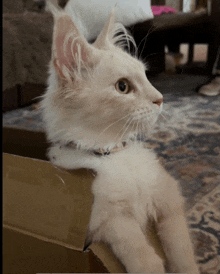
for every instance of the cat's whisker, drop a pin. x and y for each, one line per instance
(152, 54)
(163, 118)
(122, 37)
(129, 132)
(112, 125)
(136, 130)
(121, 138)
(145, 39)
(144, 127)
(124, 126)
(140, 131)
(147, 126)
(175, 130)
(132, 129)
(167, 120)
(165, 113)
(132, 125)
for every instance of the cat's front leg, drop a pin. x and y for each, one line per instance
(130, 245)
(62, 157)
(177, 245)
(175, 238)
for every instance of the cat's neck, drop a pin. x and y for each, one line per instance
(97, 152)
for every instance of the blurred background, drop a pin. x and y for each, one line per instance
(183, 37)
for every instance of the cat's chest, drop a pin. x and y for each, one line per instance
(133, 172)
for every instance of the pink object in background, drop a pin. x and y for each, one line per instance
(158, 10)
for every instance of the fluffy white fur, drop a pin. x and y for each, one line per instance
(83, 105)
(130, 189)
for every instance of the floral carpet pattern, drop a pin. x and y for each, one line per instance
(189, 148)
(187, 141)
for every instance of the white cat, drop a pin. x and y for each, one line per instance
(97, 102)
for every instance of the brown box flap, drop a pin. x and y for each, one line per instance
(50, 204)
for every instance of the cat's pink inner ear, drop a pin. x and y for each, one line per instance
(58, 68)
(80, 50)
(70, 47)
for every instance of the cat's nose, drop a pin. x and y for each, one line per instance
(158, 101)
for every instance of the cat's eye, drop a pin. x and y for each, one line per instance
(123, 86)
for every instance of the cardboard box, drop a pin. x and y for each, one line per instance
(46, 213)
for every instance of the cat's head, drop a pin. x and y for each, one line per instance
(98, 94)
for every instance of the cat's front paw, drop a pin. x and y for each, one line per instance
(63, 157)
(68, 158)
(55, 155)
(155, 265)
(150, 265)
(188, 270)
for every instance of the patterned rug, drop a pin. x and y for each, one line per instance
(187, 141)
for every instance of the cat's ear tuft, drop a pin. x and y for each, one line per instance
(105, 37)
(71, 52)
